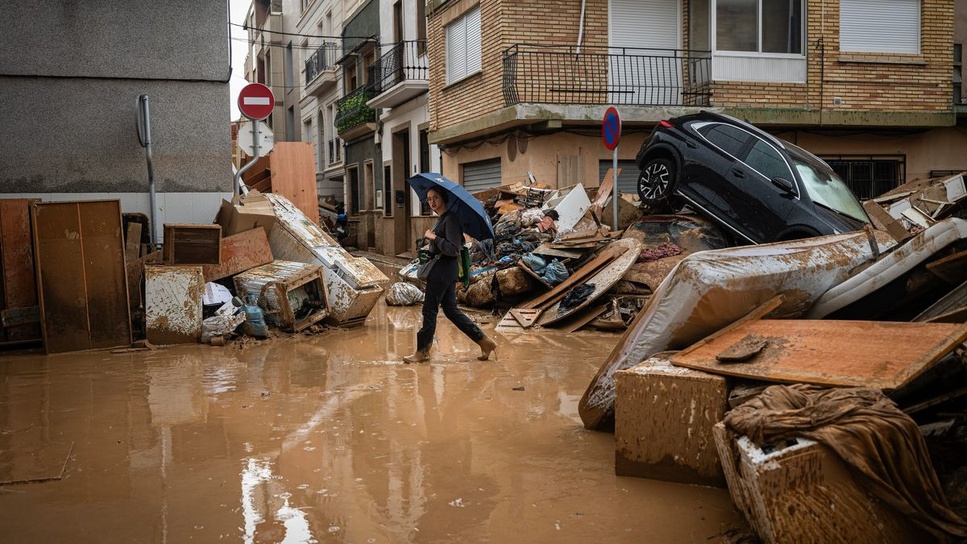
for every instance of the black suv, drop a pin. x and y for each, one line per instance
(757, 186)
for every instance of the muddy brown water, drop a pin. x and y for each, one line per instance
(328, 438)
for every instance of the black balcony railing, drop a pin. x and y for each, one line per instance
(620, 76)
(323, 59)
(405, 61)
(352, 111)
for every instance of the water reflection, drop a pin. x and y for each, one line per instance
(327, 438)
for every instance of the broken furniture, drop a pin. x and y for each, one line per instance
(799, 491)
(173, 306)
(81, 277)
(353, 284)
(239, 252)
(663, 422)
(292, 295)
(192, 244)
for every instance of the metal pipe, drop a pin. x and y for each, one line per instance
(144, 135)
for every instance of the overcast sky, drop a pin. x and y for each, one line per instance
(238, 8)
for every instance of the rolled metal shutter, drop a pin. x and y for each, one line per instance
(481, 175)
(627, 179)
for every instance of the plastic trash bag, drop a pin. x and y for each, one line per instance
(402, 293)
(555, 272)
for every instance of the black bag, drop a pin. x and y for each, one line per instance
(423, 272)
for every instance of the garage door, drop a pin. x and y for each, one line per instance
(627, 179)
(481, 175)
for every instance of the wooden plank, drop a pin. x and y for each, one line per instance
(240, 252)
(952, 268)
(107, 284)
(603, 279)
(883, 355)
(19, 277)
(583, 317)
(132, 242)
(882, 220)
(294, 176)
(62, 290)
(607, 255)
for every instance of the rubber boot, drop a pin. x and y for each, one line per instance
(421, 356)
(487, 345)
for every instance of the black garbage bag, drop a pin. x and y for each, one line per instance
(575, 297)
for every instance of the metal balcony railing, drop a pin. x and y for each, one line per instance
(619, 76)
(323, 59)
(352, 111)
(405, 61)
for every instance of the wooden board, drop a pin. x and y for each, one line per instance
(19, 277)
(291, 173)
(882, 355)
(603, 280)
(191, 244)
(81, 278)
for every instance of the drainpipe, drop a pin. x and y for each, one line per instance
(144, 136)
(581, 27)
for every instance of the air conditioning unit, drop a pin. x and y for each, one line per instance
(379, 199)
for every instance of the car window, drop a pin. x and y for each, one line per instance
(726, 137)
(826, 189)
(767, 161)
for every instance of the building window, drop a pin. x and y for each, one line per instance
(958, 78)
(869, 177)
(463, 46)
(757, 26)
(879, 26)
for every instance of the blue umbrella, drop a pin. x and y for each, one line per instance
(473, 217)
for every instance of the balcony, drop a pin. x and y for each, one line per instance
(321, 68)
(353, 117)
(400, 75)
(616, 76)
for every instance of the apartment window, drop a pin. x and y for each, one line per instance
(879, 26)
(958, 78)
(463, 46)
(758, 26)
(869, 177)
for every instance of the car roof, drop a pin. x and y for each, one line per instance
(706, 115)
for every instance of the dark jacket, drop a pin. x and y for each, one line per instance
(447, 245)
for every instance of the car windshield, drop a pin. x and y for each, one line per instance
(825, 188)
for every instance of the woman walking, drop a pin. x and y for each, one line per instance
(445, 239)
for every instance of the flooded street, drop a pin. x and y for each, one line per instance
(328, 438)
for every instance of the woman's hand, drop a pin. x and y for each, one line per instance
(430, 235)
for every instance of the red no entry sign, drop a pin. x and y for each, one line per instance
(611, 128)
(256, 101)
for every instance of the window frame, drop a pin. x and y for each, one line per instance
(758, 52)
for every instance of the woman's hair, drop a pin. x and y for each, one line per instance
(444, 196)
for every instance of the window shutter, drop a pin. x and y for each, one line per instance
(880, 26)
(456, 51)
(473, 41)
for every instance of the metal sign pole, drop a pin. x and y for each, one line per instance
(614, 190)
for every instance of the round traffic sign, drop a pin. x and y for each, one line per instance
(256, 101)
(611, 128)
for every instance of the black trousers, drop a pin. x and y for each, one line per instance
(443, 294)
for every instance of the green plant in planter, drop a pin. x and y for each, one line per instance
(354, 112)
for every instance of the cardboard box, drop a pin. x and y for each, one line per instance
(246, 212)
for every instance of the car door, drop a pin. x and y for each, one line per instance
(764, 205)
(715, 175)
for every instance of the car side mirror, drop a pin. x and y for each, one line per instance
(784, 184)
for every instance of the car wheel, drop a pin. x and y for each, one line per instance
(656, 182)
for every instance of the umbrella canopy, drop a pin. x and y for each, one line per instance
(473, 217)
